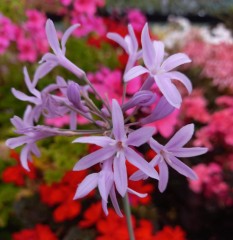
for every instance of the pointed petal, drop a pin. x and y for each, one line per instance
(115, 202)
(181, 168)
(147, 48)
(29, 83)
(140, 136)
(133, 38)
(174, 61)
(105, 183)
(156, 146)
(134, 72)
(182, 78)
(94, 158)
(162, 110)
(169, 90)
(163, 176)
(118, 39)
(105, 207)
(23, 97)
(189, 152)
(52, 36)
(181, 137)
(118, 121)
(120, 174)
(43, 70)
(141, 195)
(87, 185)
(135, 159)
(141, 175)
(24, 155)
(66, 35)
(16, 141)
(97, 140)
(159, 53)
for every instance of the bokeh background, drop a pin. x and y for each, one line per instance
(38, 205)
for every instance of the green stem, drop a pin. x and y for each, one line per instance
(128, 217)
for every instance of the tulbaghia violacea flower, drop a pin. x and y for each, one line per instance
(30, 136)
(49, 60)
(167, 156)
(160, 69)
(130, 44)
(118, 148)
(104, 180)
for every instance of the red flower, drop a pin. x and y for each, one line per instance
(171, 233)
(17, 174)
(40, 232)
(67, 211)
(91, 215)
(61, 195)
(144, 231)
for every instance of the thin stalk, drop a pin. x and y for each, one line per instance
(96, 93)
(128, 217)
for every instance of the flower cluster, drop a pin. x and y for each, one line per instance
(115, 126)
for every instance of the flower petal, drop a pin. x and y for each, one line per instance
(147, 48)
(135, 159)
(94, 158)
(120, 174)
(189, 152)
(156, 146)
(16, 141)
(115, 202)
(141, 195)
(169, 90)
(118, 127)
(162, 110)
(180, 167)
(66, 35)
(133, 38)
(24, 155)
(182, 78)
(105, 183)
(140, 136)
(118, 39)
(52, 36)
(163, 176)
(97, 140)
(159, 53)
(23, 97)
(134, 72)
(181, 137)
(174, 61)
(87, 185)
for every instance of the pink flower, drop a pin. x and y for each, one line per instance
(36, 20)
(27, 51)
(136, 19)
(89, 23)
(66, 2)
(87, 6)
(195, 107)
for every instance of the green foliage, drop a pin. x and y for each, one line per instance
(60, 155)
(8, 194)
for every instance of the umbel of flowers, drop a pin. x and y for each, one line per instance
(115, 127)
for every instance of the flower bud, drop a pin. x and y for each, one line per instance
(142, 99)
(73, 94)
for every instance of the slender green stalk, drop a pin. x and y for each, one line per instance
(128, 217)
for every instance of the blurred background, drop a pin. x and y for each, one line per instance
(38, 205)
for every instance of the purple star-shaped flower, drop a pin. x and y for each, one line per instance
(118, 148)
(167, 156)
(49, 60)
(153, 56)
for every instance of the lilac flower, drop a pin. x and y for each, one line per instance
(30, 136)
(153, 55)
(167, 155)
(130, 44)
(104, 180)
(118, 148)
(49, 60)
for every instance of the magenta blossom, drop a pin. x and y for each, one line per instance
(159, 70)
(167, 155)
(118, 148)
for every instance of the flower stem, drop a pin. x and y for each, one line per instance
(128, 217)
